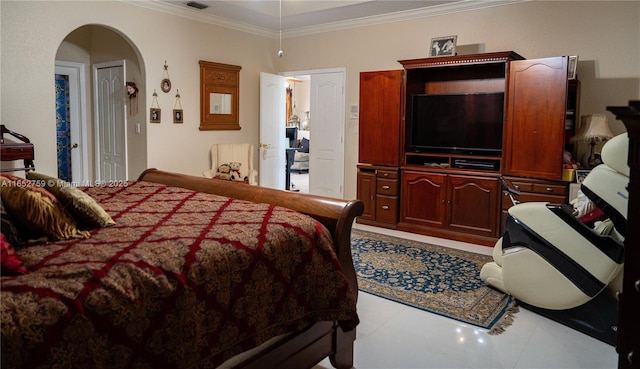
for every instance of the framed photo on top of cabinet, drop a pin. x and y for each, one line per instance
(573, 66)
(443, 46)
(581, 174)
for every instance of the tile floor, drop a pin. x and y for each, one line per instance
(394, 336)
(300, 181)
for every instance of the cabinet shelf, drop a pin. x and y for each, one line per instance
(453, 161)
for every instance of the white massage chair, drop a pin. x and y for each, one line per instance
(552, 262)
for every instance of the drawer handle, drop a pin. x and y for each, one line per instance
(385, 207)
(385, 174)
(385, 187)
(517, 187)
(549, 189)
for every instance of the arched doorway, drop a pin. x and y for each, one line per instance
(78, 114)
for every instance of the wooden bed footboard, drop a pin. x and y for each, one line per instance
(302, 349)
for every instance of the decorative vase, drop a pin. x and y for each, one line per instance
(304, 125)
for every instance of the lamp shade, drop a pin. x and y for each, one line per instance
(593, 128)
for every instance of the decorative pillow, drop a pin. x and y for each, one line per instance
(10, 261)
(12, 232)
(36, 211)
(304, 145)
(82, 207)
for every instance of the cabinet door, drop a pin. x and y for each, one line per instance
(474, 205)
(367, 193)
(379, 141)
(423, 197)
(535, 109)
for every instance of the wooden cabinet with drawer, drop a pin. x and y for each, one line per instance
(534, 190)
(378, 189)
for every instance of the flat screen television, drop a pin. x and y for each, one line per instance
(457, 123)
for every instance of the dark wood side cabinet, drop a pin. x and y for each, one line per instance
(628, 340)
(12, 151)
(453, 193)
(380, 146)
(378, 189)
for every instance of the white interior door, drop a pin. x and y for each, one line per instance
(272, 131)
(326, 151)
(77, 107)
(111, 148)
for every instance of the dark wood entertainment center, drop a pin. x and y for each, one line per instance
(456, 194)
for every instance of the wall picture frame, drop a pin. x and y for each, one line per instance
(154, 115)
(165, 85)
(443, 46)
(581, 174)
(178, 116)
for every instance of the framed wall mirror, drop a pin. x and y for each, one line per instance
(219, 96)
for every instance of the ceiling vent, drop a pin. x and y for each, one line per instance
(197, 5)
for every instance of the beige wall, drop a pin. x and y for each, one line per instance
(606, 36)
(32, 34)
(97, 44)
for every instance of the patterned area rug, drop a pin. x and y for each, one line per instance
(437, 279)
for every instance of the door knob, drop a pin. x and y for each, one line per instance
(74, 146)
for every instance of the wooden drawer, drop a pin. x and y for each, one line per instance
(550, 189)
(522, 186)
(17, 151)
(386, 209)
(387, 187)
(532, 197)
(387, 174)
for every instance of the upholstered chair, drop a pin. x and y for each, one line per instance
(224, 153)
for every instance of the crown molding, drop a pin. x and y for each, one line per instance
(181, 11)
(432, 11)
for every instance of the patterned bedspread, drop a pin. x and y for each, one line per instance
(183, 280)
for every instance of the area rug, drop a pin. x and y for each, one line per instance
(433, 278)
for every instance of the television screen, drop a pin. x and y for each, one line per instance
(464, 123)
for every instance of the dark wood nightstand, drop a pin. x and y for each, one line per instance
(10, 151)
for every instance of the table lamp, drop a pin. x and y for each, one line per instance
(593, 128)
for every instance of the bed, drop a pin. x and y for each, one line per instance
(195, 273)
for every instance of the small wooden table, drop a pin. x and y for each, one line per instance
(10, 151)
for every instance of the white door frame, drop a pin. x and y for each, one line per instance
(78, 118)
(342, 123)
(96, 137)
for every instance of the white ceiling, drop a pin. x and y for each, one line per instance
(311, 16)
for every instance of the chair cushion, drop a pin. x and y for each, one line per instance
(615, 154)
(227, 153)
(304, 145)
